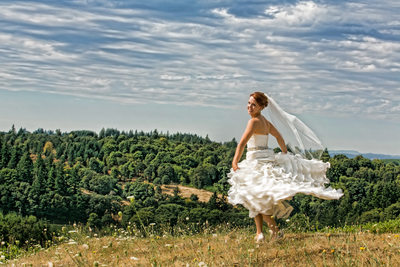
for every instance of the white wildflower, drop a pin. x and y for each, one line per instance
(134, 258)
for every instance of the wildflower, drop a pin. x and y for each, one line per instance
(152, 224)
(131, 199)
(187, 218)
(3, 243)
(168, 245)
(202, 264)
(120, 213)
(324, 251)
(287, 220)
(72, 243)
(328, 234)
(332, 250)
(72, 231)
(134, 258)
(396, 236)
(362, 248)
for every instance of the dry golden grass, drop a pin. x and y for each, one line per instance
(236, 248)
(186, 192)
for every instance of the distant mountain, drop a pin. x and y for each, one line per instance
(353, 153)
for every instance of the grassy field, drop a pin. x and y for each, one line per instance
(229, 248)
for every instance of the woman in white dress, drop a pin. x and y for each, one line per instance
(264, 180)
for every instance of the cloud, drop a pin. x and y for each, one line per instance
(333, 56)
(303, 13)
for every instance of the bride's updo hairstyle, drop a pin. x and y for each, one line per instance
(260, 98)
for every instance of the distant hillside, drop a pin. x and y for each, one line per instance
(353, 153)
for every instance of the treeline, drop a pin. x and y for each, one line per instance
(371, 194)
(82, 176)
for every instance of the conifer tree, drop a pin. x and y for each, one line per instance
(39, 176)
(5, 154)
(12, 164)
(60, 183)
(325, 155)
(25, 168)
(51, 178)
(1, 146)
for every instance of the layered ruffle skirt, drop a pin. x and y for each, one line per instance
(265, 181)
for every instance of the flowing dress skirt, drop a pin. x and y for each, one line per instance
(265, 181)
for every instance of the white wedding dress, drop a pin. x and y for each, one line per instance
(265, 180)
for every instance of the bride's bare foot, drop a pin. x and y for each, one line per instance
(259, 238)
(278, 235)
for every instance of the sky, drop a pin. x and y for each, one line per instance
(189, 66)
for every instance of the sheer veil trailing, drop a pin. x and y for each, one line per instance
(299, 138)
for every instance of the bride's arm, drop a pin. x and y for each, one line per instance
(243, 141)
(274, 132)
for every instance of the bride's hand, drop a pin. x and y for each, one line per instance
(235, 166)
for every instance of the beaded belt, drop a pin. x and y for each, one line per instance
(257, 148)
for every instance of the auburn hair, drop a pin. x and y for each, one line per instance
(260, 98)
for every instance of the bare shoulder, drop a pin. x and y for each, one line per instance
(254, 121)
(266, 123)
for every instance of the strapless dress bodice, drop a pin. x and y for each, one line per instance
(257, 142)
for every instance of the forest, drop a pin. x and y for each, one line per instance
(113, 178)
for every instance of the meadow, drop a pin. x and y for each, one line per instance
(367, 245)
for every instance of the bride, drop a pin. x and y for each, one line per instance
(264, 181)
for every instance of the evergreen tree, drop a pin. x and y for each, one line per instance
(60, 183)
(51, 178)
(5, 154)
(12, 164)
(25, 168)
(39, 177)
(325, 157)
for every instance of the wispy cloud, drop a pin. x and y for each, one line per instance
(314, 56)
